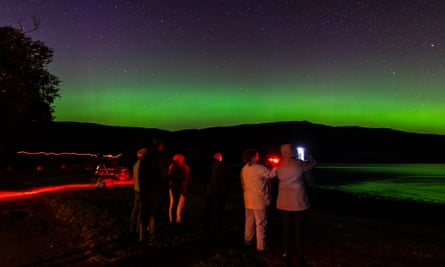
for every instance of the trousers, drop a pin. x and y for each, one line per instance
(255, 226)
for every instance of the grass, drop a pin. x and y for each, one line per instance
(343, 230)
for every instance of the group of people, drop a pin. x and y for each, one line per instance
(292, 200)
(156, 176)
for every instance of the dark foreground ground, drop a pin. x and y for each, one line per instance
(89, 227)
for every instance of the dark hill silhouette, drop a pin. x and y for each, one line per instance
(328, 144)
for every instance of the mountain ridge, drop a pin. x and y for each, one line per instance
(326, 143)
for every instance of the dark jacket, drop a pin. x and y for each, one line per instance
(153, 180)
(217, 183)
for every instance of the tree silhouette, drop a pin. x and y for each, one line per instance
(27, 89)
(22, 31)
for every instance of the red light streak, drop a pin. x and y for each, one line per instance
(110, 156)
(52, 188)
(34, 191)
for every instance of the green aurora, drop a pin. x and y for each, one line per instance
(191, 102)
(189, 65)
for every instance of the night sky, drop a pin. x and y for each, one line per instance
(196, 64)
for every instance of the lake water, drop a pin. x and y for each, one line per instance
(418, 182)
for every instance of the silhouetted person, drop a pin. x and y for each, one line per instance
(136, 224)
(153, 184)
(216, 191)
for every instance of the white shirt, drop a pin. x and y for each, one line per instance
(255, 184)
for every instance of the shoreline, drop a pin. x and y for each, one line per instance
(400, 210)
(345, 230)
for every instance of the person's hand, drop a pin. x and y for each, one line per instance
(274, 171)
(310, 162)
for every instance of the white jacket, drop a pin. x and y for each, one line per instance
(256, 186)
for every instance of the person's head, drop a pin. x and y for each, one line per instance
(178, 158)
(141, 153)
(157, 144)
(251, 156)
(218, 156)
(287, 151)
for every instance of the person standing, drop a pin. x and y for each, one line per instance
(292, 201)
(256, 191)
(216, 191)
(178, 176)
(153, 185)
(136, 225)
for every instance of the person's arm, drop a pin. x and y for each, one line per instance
(187, 173)
(268, 173)
(243, 185)
(310, 163)
(164, 165)
(170, 167)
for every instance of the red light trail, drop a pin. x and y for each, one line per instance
(52, 188)
(34, 191)
(109, 156)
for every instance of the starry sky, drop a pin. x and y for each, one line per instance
(175, 64)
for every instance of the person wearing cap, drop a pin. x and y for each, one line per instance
(292, 200)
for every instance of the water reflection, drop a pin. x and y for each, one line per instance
(419, 182)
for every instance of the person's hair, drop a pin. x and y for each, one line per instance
(248, 154)
(178, 158)
(218, 156)
(141, 153)
(156, 143)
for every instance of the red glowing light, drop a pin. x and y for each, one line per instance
(33, 191)
(274, 160)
